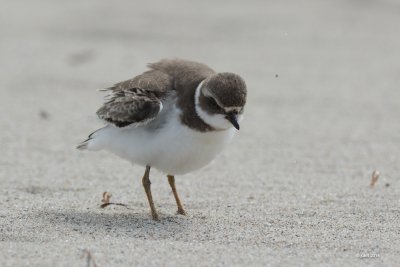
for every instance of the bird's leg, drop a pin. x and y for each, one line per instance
(146, 184)
(171, 181)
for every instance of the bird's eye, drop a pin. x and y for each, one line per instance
(213, 103)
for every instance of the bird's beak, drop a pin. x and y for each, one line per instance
(232, 118)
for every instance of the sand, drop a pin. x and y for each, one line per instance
(292, 188)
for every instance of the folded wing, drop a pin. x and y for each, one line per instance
(137, 101)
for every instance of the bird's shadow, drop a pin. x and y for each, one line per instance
(111, 222)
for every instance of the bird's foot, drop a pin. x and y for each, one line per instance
(154, 215)
(181, 211)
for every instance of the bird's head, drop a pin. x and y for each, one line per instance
(220, 100)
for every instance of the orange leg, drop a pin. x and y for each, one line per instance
(147, 188)
(171, 180)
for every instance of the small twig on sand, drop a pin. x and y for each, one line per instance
(89, 258)
(106, 201)
(106, 197)
(374, 178)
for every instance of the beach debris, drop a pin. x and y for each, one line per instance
(106, 197)
(106, 201)
(374, 178)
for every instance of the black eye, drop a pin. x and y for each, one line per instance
(212, 103)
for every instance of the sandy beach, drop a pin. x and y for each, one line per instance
(292, 189)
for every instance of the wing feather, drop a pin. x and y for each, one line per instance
(136, 101)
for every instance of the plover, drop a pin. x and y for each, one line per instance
(175, 117)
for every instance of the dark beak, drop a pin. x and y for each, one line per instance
(232, 117)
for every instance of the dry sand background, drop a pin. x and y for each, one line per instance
(292, 189)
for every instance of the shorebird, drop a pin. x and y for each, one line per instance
(175, 117)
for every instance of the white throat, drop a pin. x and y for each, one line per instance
(217, 121)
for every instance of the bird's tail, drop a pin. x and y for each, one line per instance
(88, 144)
(83, 145)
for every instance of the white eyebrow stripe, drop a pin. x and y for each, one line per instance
(205, 90)
(229, 109)
(207, 93)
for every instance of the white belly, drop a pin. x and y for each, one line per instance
(174, 149)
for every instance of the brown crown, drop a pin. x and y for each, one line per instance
(228, 88)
